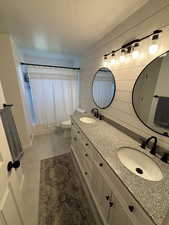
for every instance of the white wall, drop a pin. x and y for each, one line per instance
(150, 17)
(10, 79)
(38, 57)
(18, 59)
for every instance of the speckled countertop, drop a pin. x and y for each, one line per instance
(153, 196)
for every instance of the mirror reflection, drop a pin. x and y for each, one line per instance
(103, 88)
(151, 95)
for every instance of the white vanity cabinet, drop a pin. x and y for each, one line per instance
(114, 203)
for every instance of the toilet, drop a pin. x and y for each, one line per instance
(66, 125)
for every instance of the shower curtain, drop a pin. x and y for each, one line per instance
(54, 94)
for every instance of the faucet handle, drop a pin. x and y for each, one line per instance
(100, 116)
(143, 144)
(153, 150)
(165, 157)
(92, 110)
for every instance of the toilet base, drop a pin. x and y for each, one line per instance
(66, 133)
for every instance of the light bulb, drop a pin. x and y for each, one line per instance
(122, 58)
(113, 61)
(135, 54)
(105, 63)
(153, 49)
(154, 45)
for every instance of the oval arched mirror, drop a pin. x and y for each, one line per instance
(103, 88)
(151, 95)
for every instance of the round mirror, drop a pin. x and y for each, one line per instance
(151, 95)
(103, 88)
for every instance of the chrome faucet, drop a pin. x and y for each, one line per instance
(154, 146)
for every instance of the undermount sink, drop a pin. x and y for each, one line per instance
(139, 164)
(87, 120)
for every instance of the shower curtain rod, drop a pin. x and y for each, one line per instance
(61, 67)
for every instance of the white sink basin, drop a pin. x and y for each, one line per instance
(87, 120)
(139, 164)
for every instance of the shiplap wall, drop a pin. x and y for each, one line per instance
(153, 15)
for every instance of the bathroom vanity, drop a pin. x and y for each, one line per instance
(117, 196)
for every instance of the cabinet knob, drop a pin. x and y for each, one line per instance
(87, 144)
(78, 132)
(100, 164)
(75, 139)
(85, 173)
(107, 197)
(131, 208)
(72, 123)
(111, 204)
(86, 154)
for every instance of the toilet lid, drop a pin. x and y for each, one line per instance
(67, 122)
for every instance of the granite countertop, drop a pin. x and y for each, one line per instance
(153, 196)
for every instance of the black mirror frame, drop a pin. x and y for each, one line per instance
(114, 88)
(163, 134)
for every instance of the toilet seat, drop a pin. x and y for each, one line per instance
(66, 124)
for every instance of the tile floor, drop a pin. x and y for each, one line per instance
(44, 146)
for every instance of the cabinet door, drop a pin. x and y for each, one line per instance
(105, 199)
(88, 167)
(96, 184)
(117, 216)
(102, 192)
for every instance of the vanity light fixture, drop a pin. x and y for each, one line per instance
(131, 47)
(113, 60)
(135, 54)
(105, 62)
(105, 57)
(154, 46)
(122, 57)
